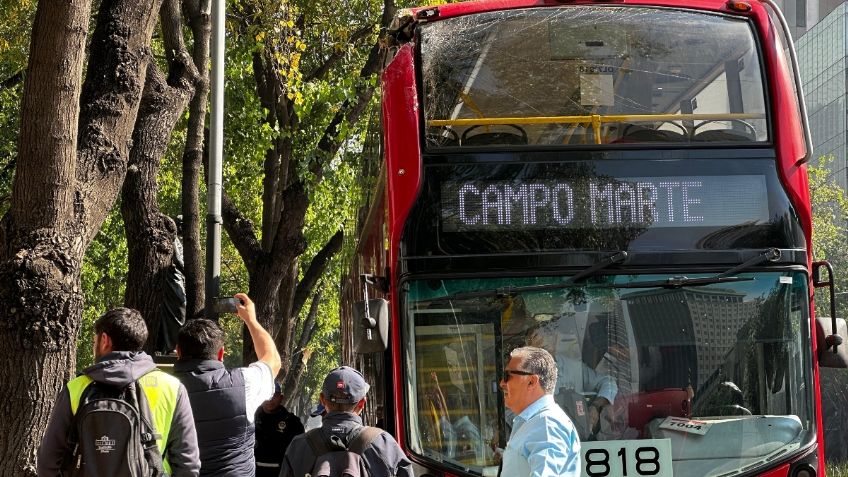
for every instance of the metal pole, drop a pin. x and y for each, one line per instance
(216, 153)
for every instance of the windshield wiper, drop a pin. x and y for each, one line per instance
(768, 255)
(674, 282)
(613, 259)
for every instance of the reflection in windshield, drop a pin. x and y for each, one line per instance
(717, 373)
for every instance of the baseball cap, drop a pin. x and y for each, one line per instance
(319, 409)
(344, 385)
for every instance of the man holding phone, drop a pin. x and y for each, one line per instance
(224, 401)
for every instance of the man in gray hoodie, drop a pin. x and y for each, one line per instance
(119, 336)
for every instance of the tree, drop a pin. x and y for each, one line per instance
(830, 231)
(72, 157)
(315, 81)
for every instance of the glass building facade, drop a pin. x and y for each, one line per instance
(823, 64)
(823, 60)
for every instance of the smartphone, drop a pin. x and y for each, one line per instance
(227, 304)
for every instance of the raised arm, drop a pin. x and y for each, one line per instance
(263, 343)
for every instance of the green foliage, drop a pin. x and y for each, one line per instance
(10, 102)
(104, 273)
(14, 48)
(14, 35)
(830, 232)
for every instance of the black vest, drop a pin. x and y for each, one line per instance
(224, 435)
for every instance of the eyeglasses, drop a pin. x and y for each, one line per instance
(510, 372)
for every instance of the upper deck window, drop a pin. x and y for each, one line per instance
(591, 75)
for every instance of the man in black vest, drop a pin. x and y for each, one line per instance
(275, 429)
(224, 401)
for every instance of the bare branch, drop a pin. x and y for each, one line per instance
(11, 81)
(241, 231)
(309, 327)
(315, 271)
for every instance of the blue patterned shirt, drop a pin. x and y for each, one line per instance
(543, 443)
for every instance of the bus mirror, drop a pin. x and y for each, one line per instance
(833, 347)
(370, 326)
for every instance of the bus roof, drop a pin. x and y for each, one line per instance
(465, 8)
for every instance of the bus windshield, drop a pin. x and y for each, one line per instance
(590, 75)
(692, 378)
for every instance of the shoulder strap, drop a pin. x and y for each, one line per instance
(363, 438)
(148, 430)
(316, 442)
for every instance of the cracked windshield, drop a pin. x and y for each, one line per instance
(591, 75)
(660, 375)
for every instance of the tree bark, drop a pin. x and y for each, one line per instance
(150, 234)
(72, 158)
(198, 12)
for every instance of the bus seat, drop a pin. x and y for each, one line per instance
(494, 138)
(645, 406)
(722, 135)
(641, 134)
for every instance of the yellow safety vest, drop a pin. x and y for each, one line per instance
(162, 391)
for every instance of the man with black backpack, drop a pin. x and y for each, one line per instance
(342, 446)
(122, 416)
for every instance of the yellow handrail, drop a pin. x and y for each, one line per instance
(595, 119)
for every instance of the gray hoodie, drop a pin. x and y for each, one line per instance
(119, 369)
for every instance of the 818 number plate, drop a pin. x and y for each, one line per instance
(648, 457)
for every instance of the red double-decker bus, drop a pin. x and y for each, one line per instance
(621, 183)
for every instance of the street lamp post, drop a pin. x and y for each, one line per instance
(215, 168)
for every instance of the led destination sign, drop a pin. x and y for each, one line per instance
(603, 202)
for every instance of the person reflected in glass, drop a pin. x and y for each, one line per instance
(543, 441)
(583, 392)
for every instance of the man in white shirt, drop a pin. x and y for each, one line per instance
(224, 401)
(582, 391)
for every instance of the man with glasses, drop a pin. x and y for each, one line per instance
(543, 442)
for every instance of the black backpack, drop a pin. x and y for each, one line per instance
(112, 434)
(338, 459)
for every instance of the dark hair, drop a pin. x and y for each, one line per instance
(339, 406)
(125, 327)
(200, 339)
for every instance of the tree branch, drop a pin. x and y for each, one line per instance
(323, 68)
(182, 72)
(315, 271)
(241, 231)
(306, 334)
(109, 104)
(11, 81)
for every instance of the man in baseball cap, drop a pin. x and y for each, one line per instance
(343, 394)
(344, 385)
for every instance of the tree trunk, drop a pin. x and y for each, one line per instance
(72, 157)
(201, 28)
(150, 235)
